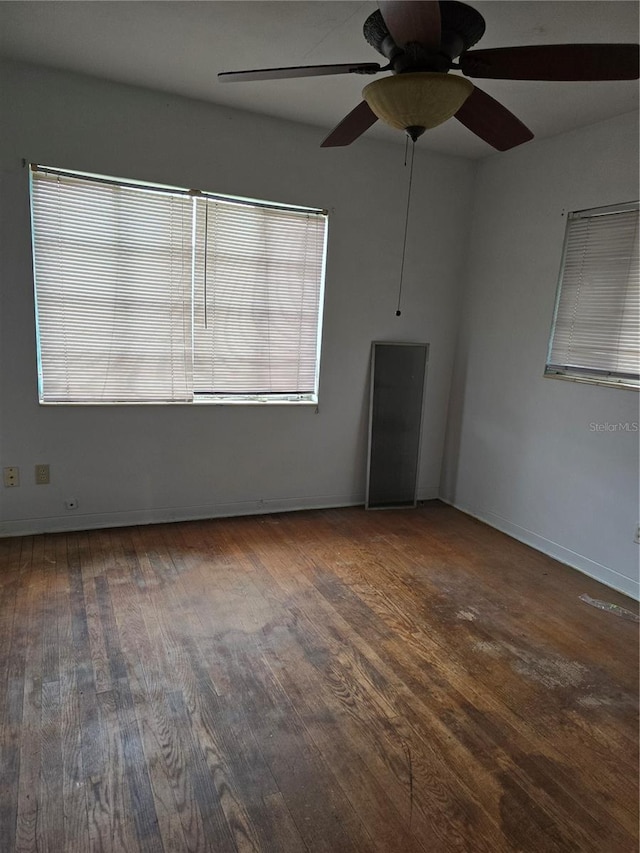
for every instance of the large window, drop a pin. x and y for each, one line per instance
(596, 327)
(149, 294)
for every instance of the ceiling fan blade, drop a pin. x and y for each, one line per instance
(299, 71)
(412, 21)
(489, 120)
(554, 62)
(351, 127)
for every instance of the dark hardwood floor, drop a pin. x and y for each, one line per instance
(321, 681)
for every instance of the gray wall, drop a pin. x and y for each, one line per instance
(522, 453)
(127, 464)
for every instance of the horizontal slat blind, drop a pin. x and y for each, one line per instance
(258, 293)
(597, 319)
(113, 274)
(127, 312)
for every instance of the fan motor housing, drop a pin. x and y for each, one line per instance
(461, 25)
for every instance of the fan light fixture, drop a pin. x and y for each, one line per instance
(417, 101)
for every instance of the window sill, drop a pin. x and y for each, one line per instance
(594, 380)
(252, 400)
(201, 400)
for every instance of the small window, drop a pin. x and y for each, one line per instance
(154, 294)
(596, 327)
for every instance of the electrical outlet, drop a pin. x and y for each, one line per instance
(42, 475)
(11, 476)
(71, 503)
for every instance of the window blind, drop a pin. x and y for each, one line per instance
(149, 294)
(112, 267)
(597, 318)
(258, 279)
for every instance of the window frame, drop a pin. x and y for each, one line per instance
(574, 373)
(298, 398)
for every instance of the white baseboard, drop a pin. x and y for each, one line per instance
(583, 564)
(161, 515)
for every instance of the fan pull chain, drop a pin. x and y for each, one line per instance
(406, 221)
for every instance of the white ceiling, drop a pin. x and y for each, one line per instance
(180, 47)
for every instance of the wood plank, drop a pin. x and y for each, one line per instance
(51, 820)
(172, 798)
(12, 654)
(70, 628)
(111, 824)
(95, 566)
(139, 800)
(30, 753)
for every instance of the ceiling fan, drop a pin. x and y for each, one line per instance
(422, 39)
